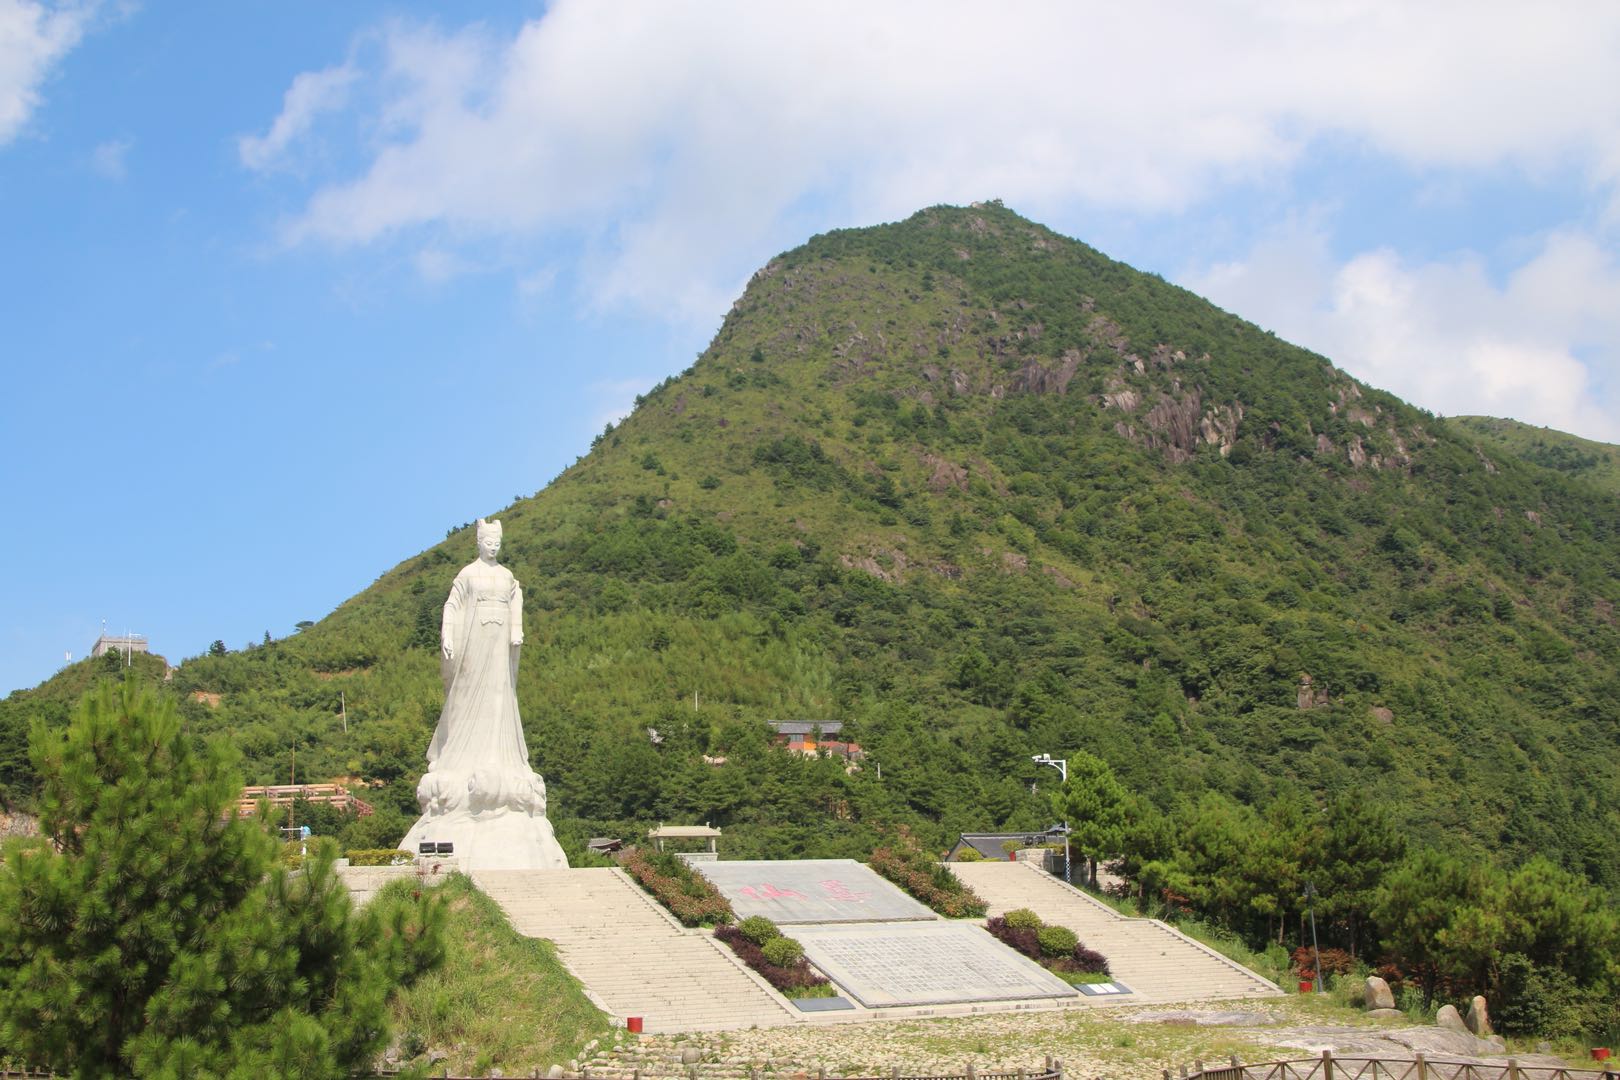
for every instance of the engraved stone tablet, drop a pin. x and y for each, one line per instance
(810, 891)
(884, 965)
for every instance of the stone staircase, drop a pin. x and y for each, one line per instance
(1157, 963)
(633, 958)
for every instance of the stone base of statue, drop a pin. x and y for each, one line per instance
(496, 821)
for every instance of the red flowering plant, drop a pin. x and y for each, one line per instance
(904, 862)
(687, 895)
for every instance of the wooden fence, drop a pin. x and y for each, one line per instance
(1052, 1071)
(1417, 1067)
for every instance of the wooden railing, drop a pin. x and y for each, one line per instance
(1417, 1067)
(285, 794)
(1052, 1071)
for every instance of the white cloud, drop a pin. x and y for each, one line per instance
(436, 266)
(702, 132)
(674, 147)
(33, 39)
(1543, 346)
(311, 94)
(537, 282)
(108, 159)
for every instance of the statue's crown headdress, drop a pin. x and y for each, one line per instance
(488, 528)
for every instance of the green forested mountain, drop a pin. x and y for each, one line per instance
(979, 492)
(1595, 462)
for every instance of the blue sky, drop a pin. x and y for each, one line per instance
(288, 290)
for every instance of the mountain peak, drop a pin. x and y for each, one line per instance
(977, 491)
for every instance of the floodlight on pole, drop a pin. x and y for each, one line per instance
(1062, 766)
(1310, 900)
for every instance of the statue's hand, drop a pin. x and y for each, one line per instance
(517, 639)
(449, 653)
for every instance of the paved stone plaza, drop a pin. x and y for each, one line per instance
(885, 965)
(635, 959)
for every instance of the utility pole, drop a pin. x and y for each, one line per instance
(1062, 766)
(1310, 901)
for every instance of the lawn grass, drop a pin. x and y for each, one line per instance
(500, 1000)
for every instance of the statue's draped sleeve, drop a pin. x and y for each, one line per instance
(515, 610)
(453, 628)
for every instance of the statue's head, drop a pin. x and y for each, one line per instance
(489, 538)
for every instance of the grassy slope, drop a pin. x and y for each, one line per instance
(1594, 462)
(500, 1000)
(946, 480)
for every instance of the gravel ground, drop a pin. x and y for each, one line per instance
(1117, 1044)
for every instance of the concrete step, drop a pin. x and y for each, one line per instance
(1156, 961)
(632, 956)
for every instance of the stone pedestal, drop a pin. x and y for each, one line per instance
(496, 840)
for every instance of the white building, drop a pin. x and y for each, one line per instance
(123, 644)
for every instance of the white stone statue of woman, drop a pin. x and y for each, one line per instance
(479, 793)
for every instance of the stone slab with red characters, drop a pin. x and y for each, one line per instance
(811, 891)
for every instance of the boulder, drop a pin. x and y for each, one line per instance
(1478, 1019)
(1449, 1018)
(1377, 994)
(1386, 1014)
(691, 1055)
(555, 1073)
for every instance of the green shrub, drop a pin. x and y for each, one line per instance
(759, 929)
(1057, 940)
(1537, 1001)
(906, 865)
(687, 895)
(1023, 919)
(379, 857)
(968, 854)
(782, 951)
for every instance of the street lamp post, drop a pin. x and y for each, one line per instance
(1310, 900)
(1062, 766)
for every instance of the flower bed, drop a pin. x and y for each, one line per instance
(687, 895)
(905, 864)
(778, 958)
(1055, 948)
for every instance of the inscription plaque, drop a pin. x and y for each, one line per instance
(918, 963)
(810, 891)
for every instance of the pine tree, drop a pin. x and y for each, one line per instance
(1092, 801)
(152, 932)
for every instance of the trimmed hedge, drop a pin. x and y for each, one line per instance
(794, 979)
(1022, 919)
(759, 929)
(687, 895)
(782, 951)
(1056, 941)
(905, 864)
(1029, 941)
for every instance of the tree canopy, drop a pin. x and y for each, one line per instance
(151, 933)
